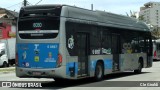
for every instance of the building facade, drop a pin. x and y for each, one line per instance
(8, 21)
(150, 13)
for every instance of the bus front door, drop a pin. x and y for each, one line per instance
(83, 46)
(116, 51)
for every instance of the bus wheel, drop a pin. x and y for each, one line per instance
(99, 71)
(5, 64)
(139, 70)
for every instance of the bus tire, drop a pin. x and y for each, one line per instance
(140, 65)
(99, 71)
(5, 64)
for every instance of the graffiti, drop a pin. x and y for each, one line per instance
(101, 51)
(106, 51)
(127, 48)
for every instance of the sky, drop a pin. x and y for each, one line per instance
(114, 6)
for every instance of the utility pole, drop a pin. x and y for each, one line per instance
(25, 2)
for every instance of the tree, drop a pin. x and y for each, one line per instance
(132, 14)
(154, 29)
(141, 18)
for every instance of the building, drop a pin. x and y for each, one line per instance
(8, 21)
(150, 13)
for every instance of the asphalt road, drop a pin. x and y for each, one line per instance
(148, 80)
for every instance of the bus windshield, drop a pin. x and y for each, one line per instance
(39, 23)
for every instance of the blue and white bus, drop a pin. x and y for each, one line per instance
(68, 42)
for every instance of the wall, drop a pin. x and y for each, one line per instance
(4, 30)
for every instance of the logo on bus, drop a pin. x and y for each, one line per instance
(37, 25)
(71, 42)
(24, 55)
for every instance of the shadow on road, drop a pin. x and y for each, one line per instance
(156, 60)
(88, 82)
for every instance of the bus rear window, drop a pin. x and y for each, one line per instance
(38, 28)
(39, 23)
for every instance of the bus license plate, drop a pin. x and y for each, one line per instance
(37, 73)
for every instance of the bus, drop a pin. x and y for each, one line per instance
(156, 49)
(68, 42)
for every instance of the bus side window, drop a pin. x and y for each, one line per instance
(95, 42)
(147, 45)
(141, 44)
(128, 43)
(106, 43)
(135, 45)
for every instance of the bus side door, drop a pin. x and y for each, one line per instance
(83, 51)
(116, 51)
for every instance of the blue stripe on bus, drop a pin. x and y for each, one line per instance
(107, 64)
(93, 65)
(71, 65)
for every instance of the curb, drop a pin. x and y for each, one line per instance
(7, 70)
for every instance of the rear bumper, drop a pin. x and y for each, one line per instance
(44, 73)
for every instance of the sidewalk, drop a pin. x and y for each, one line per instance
(7, 70)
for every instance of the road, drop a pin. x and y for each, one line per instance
(120, 81)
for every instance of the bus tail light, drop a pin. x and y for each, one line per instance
(59, 62)
(16, 60)
(155, 53)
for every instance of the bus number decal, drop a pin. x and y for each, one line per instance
(96, 51)
(52, 46)
(37, 25)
